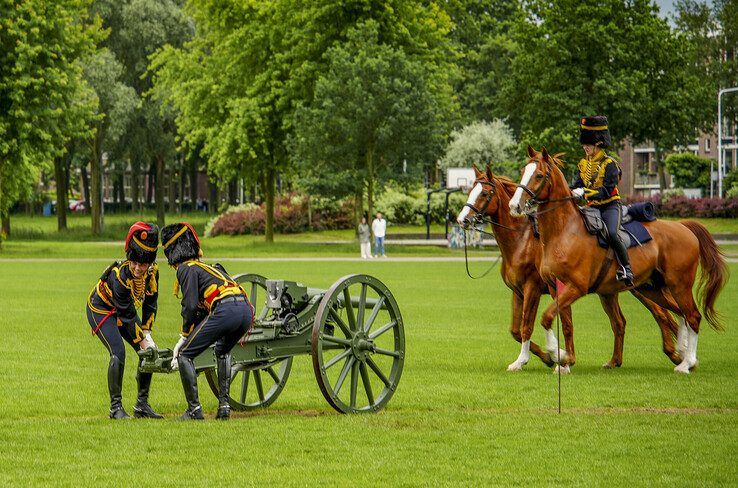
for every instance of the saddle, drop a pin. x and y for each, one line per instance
(631, 232)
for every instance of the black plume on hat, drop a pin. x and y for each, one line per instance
(180, 243)
(142, 242)
(594, 130)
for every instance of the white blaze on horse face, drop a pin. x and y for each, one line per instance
(514, 204)
(473, 195)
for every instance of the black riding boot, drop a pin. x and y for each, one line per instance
(224, 384)
(189, 383)
(115, 387)
(624, 273)
(143, 410)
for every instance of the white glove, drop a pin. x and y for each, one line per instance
(578, 192)
(147, 340)
(175, 353)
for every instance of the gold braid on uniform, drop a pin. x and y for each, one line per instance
(588, 174)
(138, 289)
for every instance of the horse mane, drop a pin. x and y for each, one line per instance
(552, 158)
(508, 185)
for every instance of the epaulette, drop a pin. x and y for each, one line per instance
(108, 270)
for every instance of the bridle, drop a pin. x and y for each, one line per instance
(534, 201)
(479, 213)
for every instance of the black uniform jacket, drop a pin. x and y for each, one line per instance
(118, 290)
(202, 286)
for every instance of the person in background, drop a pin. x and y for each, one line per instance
(379, 228)
(365, 236)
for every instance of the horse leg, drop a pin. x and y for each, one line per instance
(566, 296)
(523, 310)
(617, 322)
(567, 327)
(667, 325)
(684, 299)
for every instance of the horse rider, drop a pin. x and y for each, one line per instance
(111, 311)
(214, 310)
(597, 183)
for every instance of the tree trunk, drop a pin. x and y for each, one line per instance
(660, 168)
(152, 183)
(233, 192)
(122, 191)
(61, 193)
(269, 187)
(96, 199)
(213, 190)
(193, 184)
(370, 181)
(159, 190)
(3, 234)
(172, 190)
(5, 224)
(182, 185)
(135, 185)
(85, 186)
(359, 208)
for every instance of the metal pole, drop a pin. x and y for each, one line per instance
(720, 138)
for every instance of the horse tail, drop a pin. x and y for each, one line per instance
(714, 273)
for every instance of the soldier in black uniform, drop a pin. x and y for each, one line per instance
(597, 182)
(111, 312)
(215, 310)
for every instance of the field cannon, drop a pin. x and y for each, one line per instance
(353, 331)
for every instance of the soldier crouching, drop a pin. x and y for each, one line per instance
(111, 312)
(215, 310)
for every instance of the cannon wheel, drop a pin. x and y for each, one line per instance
(256, 385)
(363, 343)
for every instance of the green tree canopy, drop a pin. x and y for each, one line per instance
(43, 100)
(689, 170)
(378, 114)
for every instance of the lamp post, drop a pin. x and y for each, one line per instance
(720, 138)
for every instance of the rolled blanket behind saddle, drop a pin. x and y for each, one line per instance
(642, 211)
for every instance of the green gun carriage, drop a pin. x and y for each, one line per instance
(353, 331)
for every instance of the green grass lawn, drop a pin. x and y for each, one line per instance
(458, 417)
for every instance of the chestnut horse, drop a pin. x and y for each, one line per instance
(665, 268)
(521, 252)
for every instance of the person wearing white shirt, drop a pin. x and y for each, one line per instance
(379, 228)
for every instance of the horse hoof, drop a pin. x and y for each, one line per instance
(563, 369)
(694, 366)
(682, 368)
(608, 365)
(515, 367)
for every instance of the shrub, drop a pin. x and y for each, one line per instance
(682, 207)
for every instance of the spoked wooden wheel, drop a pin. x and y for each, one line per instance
(358, 339)
(255, 287)
(254, 386)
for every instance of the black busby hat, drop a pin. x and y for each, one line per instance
(594, 130)
(180, 243)
(142, 242)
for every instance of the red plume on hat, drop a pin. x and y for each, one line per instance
(142, 242)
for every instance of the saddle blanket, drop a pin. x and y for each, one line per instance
(636, 231)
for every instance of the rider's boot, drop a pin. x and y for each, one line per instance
(115, 387)
(624, 273)
(224, 383)
(189, 382)
(143, 410)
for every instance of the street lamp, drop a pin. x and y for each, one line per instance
(720, 138)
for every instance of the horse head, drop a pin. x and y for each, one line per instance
(483, 198)
(539, 182)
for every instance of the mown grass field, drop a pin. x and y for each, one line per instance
(458, 417)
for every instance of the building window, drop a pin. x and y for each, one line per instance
(707, 145)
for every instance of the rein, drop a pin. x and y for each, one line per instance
(466, 262)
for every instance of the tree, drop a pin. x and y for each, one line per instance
(608, 57)
(236, 86)
(116, 102)
(376, 114)
(482, 143)
(481, 33)
(41, 44)
(689, 170)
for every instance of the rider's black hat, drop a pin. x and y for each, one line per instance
(594, 130)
